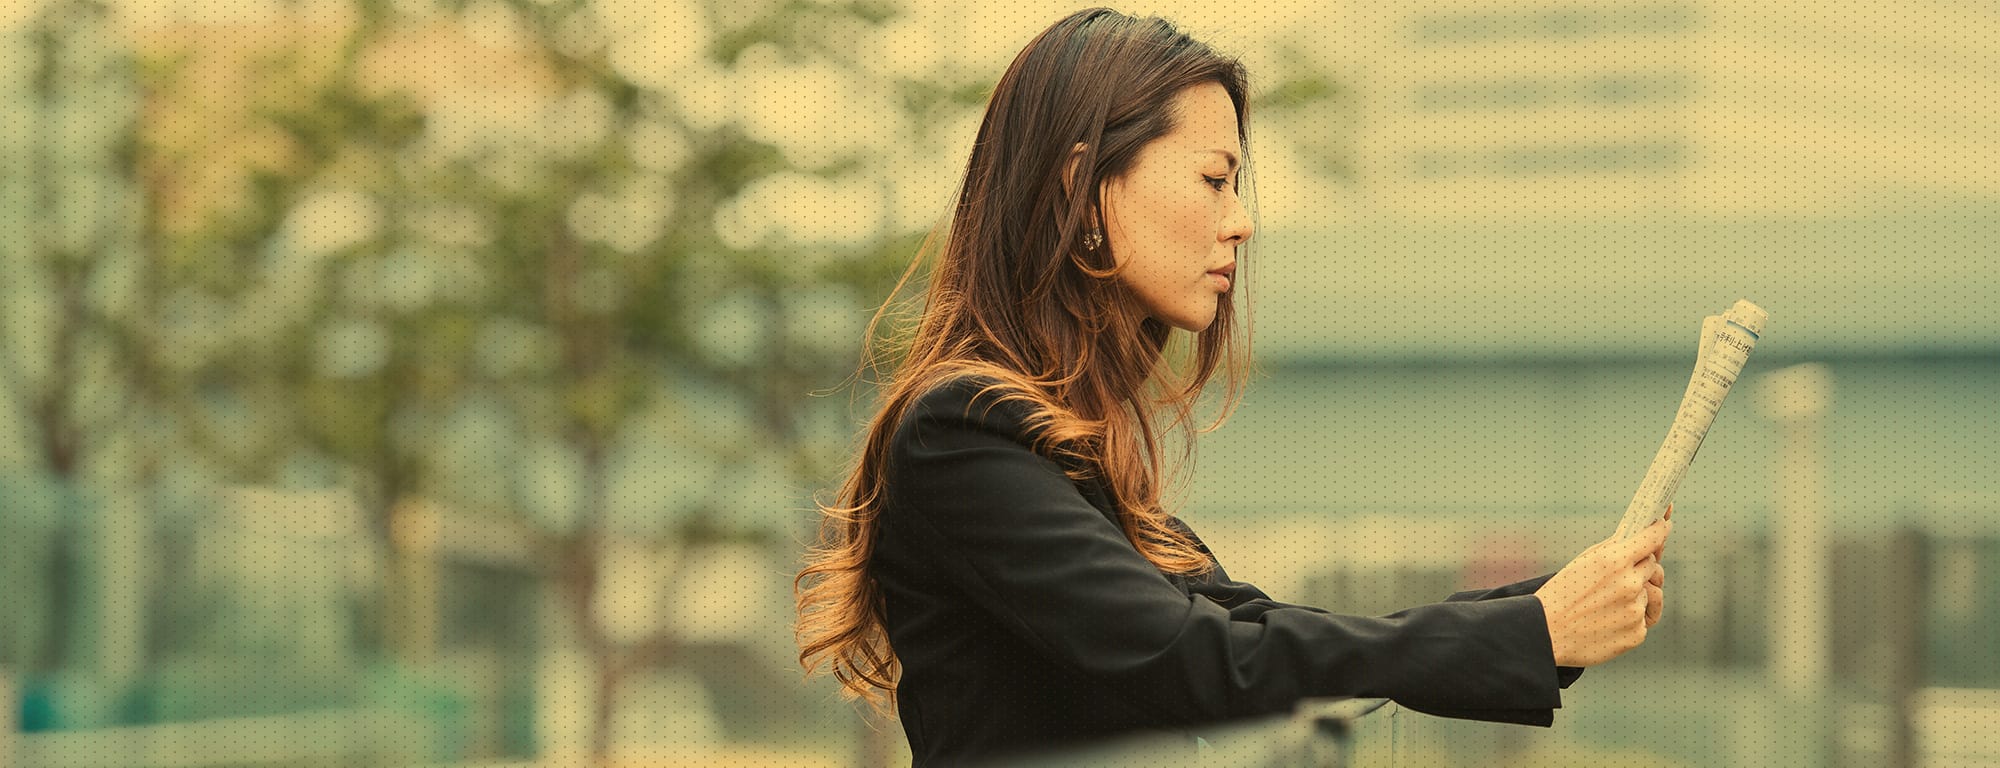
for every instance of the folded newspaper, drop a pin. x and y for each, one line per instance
(1726, 341)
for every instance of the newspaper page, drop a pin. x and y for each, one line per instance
(1725, 344)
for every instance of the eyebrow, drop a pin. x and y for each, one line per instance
(1227, 154)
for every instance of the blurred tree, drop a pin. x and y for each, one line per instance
(68, 328)
(407, 208)
(496, 253)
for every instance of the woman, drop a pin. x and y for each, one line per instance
(998, 565)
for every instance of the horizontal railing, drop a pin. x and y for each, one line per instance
(1320, 733)
(326, 737)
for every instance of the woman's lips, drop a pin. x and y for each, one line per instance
(1224, 276)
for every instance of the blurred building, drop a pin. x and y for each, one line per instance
(1485, 334)
(1620, 167)
(1559, 108)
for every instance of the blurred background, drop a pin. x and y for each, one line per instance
(395, 382)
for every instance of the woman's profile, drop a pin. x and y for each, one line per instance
(998, 566)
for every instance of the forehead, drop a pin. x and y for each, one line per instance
(1205, 119)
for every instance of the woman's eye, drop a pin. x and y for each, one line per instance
(1217, 182)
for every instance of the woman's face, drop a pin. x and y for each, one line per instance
(1174, 219)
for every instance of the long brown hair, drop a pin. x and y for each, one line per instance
(1016, 298)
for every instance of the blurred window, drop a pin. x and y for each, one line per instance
(1562, 23)
(1524, 160)
(1605, 90)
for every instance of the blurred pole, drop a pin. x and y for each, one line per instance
(1797, 398)
(118, 563)
(414, 594)
(565, 683)
(10, 705)
(1878, 655)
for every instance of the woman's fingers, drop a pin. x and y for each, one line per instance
(1656, 592)
(1646, 543)
(1662, 551)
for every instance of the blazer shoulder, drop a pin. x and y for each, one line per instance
(956, 412)
(974, 399)
(957, 431)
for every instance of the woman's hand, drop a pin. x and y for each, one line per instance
(1656, 581)
(1600, 605)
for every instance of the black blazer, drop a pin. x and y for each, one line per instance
(1025, 620)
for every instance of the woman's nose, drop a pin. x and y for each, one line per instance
(1237, 227)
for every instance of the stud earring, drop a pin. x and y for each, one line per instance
(1092, 240)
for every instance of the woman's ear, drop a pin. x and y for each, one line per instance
(1069, 181)
(1069, 169)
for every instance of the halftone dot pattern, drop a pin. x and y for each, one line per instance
(450, 382)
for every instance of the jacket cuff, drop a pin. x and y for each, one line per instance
(1567, 675)
(1519, 625)
(1564, 675)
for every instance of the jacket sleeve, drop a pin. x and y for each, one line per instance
(1242, 599)
(1010, 530)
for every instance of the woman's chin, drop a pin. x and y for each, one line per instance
(1194, 324)
(1193, 318)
